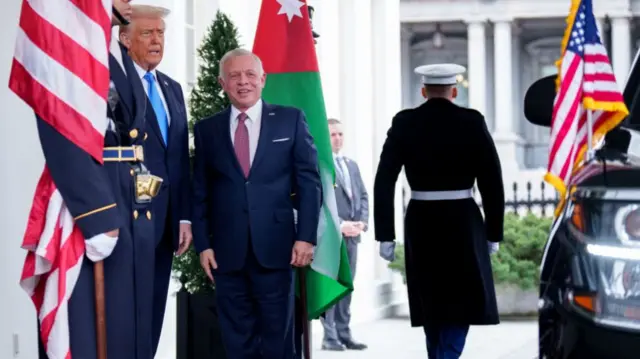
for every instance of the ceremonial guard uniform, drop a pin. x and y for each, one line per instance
(101, 199)
(444, 149)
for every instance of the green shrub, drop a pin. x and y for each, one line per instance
(518, 259)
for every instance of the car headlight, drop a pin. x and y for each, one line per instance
(627, 224)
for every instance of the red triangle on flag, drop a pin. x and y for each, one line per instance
(283, 38)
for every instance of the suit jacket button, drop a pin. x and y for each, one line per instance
(247, 183)
(133, 133)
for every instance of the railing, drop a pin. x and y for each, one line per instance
(524, 199)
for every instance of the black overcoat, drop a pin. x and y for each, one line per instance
(444, 147)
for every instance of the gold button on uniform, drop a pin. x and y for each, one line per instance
(133, 133)
(145, 136)
(149, 215)
(135, 214)
(132, 172)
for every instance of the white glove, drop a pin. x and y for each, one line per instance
(493, 247)
(100, 247)
(388, 251)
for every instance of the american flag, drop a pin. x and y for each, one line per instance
(586, 82)
(61, 70)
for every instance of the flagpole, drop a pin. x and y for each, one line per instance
(306, 342)
(589, 155)
(101, 325)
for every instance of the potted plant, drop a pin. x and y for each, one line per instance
(197, 321)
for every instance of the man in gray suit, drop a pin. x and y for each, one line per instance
(353, 209)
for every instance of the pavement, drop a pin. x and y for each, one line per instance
(394, 338)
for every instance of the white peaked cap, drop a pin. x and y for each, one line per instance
(440, 74)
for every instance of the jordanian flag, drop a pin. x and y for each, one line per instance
(285, 45)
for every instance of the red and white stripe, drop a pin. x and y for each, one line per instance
(60, 68)
(588, 78)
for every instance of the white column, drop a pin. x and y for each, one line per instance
(328, 50)
(477, 64)
(19, 148)
(600, 23)
(389, 71)
(621, 48)
(503, 132)
(407, 71)
(244, 14)
(356, 110)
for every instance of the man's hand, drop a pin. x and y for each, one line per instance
(208, 261)
(99, 247)
(349, 229)
(388, 251)
(302, 254)
(186, 237)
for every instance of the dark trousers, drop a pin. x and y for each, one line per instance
(337, 318)
(162, 277)
(255, 309)
(298, 337)
(445, 341)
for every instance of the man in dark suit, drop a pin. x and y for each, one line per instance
(249, 158)
(353, 209)
(166, 148)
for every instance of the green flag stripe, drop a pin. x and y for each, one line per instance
(329, 279)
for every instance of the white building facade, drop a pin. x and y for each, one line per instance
(367, 52)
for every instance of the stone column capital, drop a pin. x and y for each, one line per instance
(501, 19)
(622, 14)
(475, 20)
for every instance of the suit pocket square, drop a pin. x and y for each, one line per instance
(281, 139)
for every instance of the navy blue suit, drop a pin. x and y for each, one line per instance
(170, 161)
(89, 190)
(249, 224)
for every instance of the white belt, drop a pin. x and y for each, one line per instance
(441, 195)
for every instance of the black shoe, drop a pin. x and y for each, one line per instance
(353, 345)
(336, 347)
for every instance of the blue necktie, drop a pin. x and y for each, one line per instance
(158, 107)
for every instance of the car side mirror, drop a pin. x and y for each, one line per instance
(538, 101)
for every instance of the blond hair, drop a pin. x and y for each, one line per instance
(145, 12)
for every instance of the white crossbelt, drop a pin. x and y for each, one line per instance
(441, 195)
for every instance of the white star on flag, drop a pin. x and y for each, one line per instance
(291, 8)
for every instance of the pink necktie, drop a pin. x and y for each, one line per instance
(241, 143)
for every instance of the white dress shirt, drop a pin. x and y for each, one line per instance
(253, 122)
(145, 84)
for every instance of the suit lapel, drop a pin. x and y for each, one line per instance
(225, 130)
(140, 98)
(172, 105)
(350, 167)
(122, 83)
(341, 180)
(268, 117)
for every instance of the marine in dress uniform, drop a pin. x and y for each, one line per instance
(444, 149)
(103, 198)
